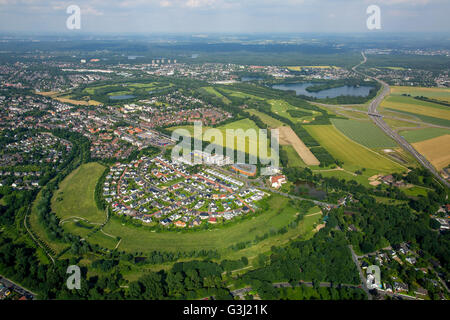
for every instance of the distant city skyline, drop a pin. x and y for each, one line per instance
(230, 16)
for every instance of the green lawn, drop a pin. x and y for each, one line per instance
(239, 94)
(271, 122)
(281, 108)
(213, 91)
(364, 132)
(143, 240)
(75, 196)
(294, 159)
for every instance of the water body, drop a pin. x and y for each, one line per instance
(309, 189)
(300, 89)
(134, 57)
(122, 97)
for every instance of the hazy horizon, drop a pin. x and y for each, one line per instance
(223, 16)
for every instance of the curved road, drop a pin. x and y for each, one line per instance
(378, 119)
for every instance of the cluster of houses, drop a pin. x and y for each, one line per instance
(160, 191)
(175, 108)
(387, 180)
(37, 149)
(42, 151)
(406, 256)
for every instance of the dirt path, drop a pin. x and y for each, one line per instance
(289, 137)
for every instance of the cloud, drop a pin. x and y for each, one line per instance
(399, 2)
(199, 3)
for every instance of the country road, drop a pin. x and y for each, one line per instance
(378, 120)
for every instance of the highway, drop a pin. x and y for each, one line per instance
(378, 120)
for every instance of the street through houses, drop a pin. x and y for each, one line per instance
(11, 285)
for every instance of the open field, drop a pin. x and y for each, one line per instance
(350, 152)
(415, 106)
(419, 117)
(78, 102)
(364, 132)
(67, 99)
(289, 137)
(399, 124)
(142, 240)
(436, 150)
(419, 135)
(281, 108)
(294, 159)
(434, 93)
(251, 144)
(75, 196)
(213, 91)
(239, 94)
(271, 122)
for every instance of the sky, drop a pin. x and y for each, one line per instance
(223, 16)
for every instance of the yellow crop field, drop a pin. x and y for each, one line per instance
(435, 93)
(78, 102)
(436, 150)
(412, 105)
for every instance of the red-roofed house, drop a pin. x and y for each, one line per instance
(212, 220)
(277, 181)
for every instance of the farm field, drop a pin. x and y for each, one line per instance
(289, 137)
(411, 105)
(251, 145)
(277, 216)
(350, 152)
(436, 150)
(419, 117)
(419, 135)
(364, 132)
(399, 124)
(75, 196)
(434, 93)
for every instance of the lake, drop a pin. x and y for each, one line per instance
(122, 97)
(300, 89)
(309, 189)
